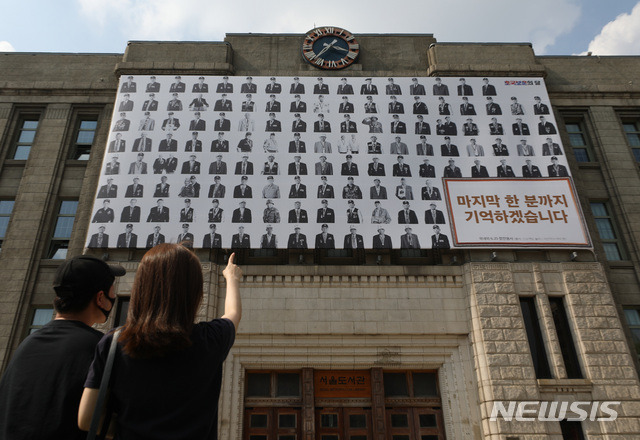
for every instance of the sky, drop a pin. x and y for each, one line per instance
(554, 27)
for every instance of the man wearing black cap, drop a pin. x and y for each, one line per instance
(296, 86)
(273, 86)
(298, 106)
(200, 86)
(225, 86)
(249, 86)
(128, 239)
(41, 388)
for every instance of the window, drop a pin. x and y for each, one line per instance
(122, 309)
(606, 230)
(28, 127)
(6, 207)
(571, 430)
(62, 231)
(534, 336)
(41, 316)
(83, 137)
(578, 141)
(633, 322)
(567, 347)
(632, 131)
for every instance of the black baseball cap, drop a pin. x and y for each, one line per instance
(85, 275)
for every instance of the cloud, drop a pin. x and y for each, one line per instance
(539, 22)
(620, 36)
(5, 46)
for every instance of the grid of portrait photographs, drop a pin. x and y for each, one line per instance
(310, 162)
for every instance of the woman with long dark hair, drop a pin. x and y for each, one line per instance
(167, 372)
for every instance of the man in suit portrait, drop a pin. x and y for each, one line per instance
(273, 124)
(324, 240)
(439, 88)
(104, 214)
(126, 105)
(529, 170)
(376, 168)
(448, 149)
(241, 240)
(128, 239)
(200, 86)
(147, 124)
(348, 126)
(216, 213)
(212, 240)
(353, 240)
(368, 88)
(109, 190)
(245, 145)
(298, 190)
(135, 189)
(222, 123)
(201, 104)
(296, 145)
(464, 89)
(273, 105)
(325, 214)
(322, 146)
(129, 86)
(470, 128)
(244, 167)
(395, 106)
(404, 191)
(242, 214)
(351, 190)
(248, 86)
(158, 213)
(218, 166)
(416, 88)
(488, 89)
(474, 149)
(168, 144)
(171, 123)
(296, 86)
(323, 168)
(325, 190)
(297, 214)
(401, 169)
(297, 240)
(175, 105)
(177, 85)
(399, 147)
(143, 143)
(217, 190)
(344, 88)
(439, 240)
(556, 170)
(243, 191)
(505, 170)
(520, 128)
(381, 240)
(422, 127)
(397, 126)
(380, 215)
(452, 170)
(407, 215)
(525, 149)
(131, 213)
(545, 127)
(122, 124)
(550, 148)
(155, 238)
(492, 107)
(298, 125)
(345, 106)
(297, 168)
(321, 88)
(192, 166)
(117, 145)
(500, 149)
(194, 144)
(298, 106)
(373, 146)
(321, 106)
(223, 104)
(248, 105)
(426, 169)
(392, 88)
(430, 192)
(219, 145)
(450, 127)
(138, 167)
(466, 108)
(162, 188)
(349, 168)
(377, 191)
(321, 126)
(516, 107)
(153, 86)
(197, 124)
(495, 128)
(370, 106)
(478, 170)
(539, 108)
(151, 104)
(225, 86)
(273, 86)
(185, 236)
(419, 107)
(99, 239)
(409, 240)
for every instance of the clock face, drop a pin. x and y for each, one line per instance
(330, 48)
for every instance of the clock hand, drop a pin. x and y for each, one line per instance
(327, 47)
(340, 48)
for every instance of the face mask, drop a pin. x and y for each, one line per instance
(104, 311)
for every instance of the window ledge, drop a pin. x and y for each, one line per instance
(565, 386)
(48, 262)
(15, 163)
(76, 163)
(622, 264)
(589, 165)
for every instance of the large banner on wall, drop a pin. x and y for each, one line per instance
(260, 162)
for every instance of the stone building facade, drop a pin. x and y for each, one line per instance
(436, 338)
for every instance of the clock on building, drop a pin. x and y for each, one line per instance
(330, 48)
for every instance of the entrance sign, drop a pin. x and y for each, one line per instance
(347, 383)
